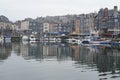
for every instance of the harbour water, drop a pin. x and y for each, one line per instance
(58, 61)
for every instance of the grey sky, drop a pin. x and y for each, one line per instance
(20, 9)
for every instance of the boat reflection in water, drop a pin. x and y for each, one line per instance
(57, 61)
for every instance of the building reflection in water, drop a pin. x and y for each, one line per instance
(5, 50)
(100, 57)
(103, 59)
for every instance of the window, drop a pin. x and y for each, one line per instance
(34, 24)
(46, 28)
(30, 24)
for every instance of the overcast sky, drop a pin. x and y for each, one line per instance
(20, 9)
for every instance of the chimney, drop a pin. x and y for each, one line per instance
(115, 8)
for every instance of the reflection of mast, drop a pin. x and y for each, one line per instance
(1, 36)
(115, 55)
(2, 31)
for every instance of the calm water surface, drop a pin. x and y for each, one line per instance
(57, 61)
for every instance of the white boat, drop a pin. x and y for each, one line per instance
(86, 41)
(25, 42)
(95, 42)
(25, 38)
(32, 38)
(52, 39)
(58, 39)
(79, 41)
(100, 42)
(72, 41)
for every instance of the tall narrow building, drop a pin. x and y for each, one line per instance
(77, 25)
